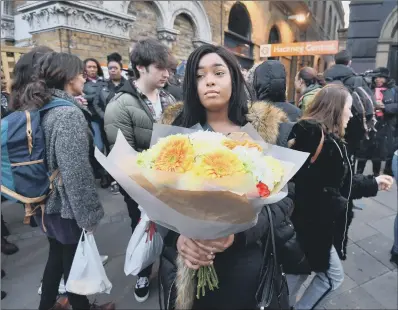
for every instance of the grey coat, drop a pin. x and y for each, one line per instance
(68, 141)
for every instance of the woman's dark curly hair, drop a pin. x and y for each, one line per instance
(53, 71)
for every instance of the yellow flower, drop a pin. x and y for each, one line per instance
(231, 144)
(218, 164)
(176, 155)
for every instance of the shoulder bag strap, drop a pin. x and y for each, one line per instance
(319, 148)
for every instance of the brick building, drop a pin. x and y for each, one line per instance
(97, 28)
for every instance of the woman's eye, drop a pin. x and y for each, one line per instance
(199, 76)
(220, 73)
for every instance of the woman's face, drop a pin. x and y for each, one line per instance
(380, 81)
(347, 114)
(91, 69)
(75, 86)
(213, 82)
(298, 83)
(115, 71)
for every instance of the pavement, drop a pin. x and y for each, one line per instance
(370, 282)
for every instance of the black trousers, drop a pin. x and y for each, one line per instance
(59, 263)
(135, 214)
(376, 165)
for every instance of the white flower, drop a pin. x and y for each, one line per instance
(206, 141)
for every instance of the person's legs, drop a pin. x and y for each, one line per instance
(52, 275)
(76, 301)
(323, 283)
(294, 283)
(376, 167)
(361, 166)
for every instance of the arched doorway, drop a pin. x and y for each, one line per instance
(183, 45)
(274, 38)
(238, 36)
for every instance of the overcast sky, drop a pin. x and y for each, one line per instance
(346, 6)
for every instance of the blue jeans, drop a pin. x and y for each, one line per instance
(321, 285)
(98, 136)
(395, 172)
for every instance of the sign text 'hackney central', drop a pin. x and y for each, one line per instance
(300, 48)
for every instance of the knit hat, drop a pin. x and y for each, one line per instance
(382, 72)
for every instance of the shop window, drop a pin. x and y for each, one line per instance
(238, 37)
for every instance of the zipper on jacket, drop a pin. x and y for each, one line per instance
(349, 192)
(168, 298)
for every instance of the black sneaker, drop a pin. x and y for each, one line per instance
(3, 295)
(115, 188)
(141, 290)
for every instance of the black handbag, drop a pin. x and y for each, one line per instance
(273, 291)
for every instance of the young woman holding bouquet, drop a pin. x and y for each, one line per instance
(215, 97)
(325, 185)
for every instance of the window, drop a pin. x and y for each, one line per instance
(7, 7)
(336, 27)
(329, 21)
(315, 8)
(274, 38)
(238, 37)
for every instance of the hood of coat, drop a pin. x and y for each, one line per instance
(128, 88)
(269, 82)
(338, 73)
(264, 116)
(313, 89)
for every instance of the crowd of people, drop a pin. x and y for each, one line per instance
(339, 119)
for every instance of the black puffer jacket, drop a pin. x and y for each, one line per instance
(90, 91)
(324, 189)
(105, 92)
(241, 263)
(269, 84)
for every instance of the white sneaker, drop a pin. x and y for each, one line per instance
(61, 288)
(104, 259)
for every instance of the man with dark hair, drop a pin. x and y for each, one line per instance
(137, 105)
(363, 99)
(343, 58)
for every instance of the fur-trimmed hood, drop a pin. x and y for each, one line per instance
(264, 116)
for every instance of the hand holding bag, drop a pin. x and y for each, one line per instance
(87, 275)
(273, 292)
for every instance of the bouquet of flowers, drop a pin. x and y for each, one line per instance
(187, 172)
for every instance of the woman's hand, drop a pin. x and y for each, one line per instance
(384, 182)
(216, 245)
(380, 105)
(194, 256)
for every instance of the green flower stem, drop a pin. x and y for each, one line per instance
(207, 277)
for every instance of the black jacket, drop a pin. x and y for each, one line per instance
(383, 143)
(241, 263)
(269, 83)
(324, 191)
(90, 91)
(105, 92)
(175, 91)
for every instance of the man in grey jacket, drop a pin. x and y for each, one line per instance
(135, 108)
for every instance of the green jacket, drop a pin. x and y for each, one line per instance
(306, 99)
(128, 112)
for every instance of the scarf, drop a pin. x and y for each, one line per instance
(64, 95)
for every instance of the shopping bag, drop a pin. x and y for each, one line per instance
(144, 247)
(87, 275)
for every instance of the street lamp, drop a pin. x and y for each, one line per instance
(299, 18)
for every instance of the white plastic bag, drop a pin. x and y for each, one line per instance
(87, 275)
(144, 247)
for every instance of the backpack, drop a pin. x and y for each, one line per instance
(364, 120)
(24, 174)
